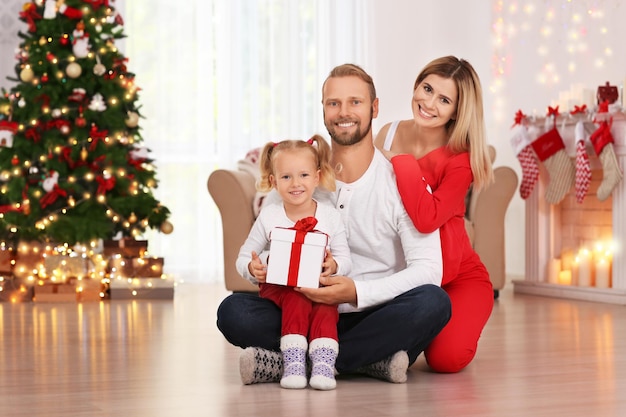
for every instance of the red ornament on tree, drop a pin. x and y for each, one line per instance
(80, 121)
(15, 160)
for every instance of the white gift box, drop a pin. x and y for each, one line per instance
(296, 257)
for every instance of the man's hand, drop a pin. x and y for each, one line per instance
(334, 290)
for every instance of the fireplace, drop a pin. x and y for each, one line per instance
(585, 239)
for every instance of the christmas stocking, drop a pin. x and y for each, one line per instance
(583, 169)
(550, 150)
(521, 143)
(602, 141)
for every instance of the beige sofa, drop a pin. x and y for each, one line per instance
(233, 192)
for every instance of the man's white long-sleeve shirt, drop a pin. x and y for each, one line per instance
(389, 255)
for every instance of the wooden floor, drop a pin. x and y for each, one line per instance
(538, 357)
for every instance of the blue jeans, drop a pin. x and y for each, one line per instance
(408, 322)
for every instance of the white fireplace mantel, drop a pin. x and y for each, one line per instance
(540, 232)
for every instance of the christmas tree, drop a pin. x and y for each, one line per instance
(73, 169)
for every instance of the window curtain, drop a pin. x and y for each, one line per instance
(218, 78)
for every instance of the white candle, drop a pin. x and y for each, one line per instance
(589, 98)
(553, 270)
(584, 275)
(603, 274)
(565, 277)
(567, 259)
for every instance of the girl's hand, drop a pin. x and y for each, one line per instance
(257, 268)
(329, 266)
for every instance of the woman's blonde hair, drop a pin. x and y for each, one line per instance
(466, 133)
(319, 148)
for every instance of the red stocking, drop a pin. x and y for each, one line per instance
(521, 143)
(550, 150)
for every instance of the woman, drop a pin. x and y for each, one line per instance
(437, 156)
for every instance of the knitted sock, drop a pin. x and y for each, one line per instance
(323, 353)
(583, 166)
(521, 142)
(550, 150)
(258, 365)
(294, 348)
(611, 174)
(392, 369)
(603, 142)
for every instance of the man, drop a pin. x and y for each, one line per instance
(392, 306)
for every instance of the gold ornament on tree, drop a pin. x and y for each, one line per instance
(167, 227)
(27, 74)
(73, 70)
(132, 119)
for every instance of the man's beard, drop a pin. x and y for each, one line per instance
(347, 139)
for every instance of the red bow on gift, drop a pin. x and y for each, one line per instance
(306, 224)
(302, 227)
(579, 109)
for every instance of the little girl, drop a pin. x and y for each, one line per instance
(295, 169)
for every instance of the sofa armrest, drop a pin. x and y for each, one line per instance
(487, 215)
(233, 193)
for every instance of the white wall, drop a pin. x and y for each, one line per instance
(543, 48)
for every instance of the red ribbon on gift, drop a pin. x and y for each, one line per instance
(302, 227)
